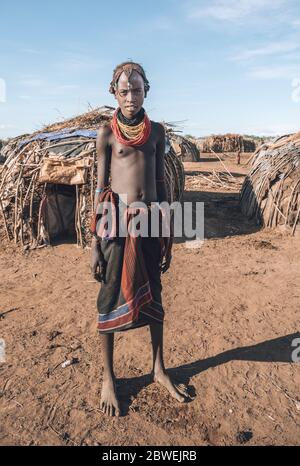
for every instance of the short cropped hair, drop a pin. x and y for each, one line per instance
(128, 67)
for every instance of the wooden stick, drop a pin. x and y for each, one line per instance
(79, 214)
(208, 179)
(16, 206)
(5, 223)
(274, 199)
(92, 181)
(17, 156)
(290, 199)
(28, 189)
(76, 216)
(31, 206)
(215, 174)
(222, 163)
(21, 215)
(40, 215)
(296, 220)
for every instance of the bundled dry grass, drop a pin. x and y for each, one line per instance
(220, 181)
(183, 147)
(271, 191)
(23, 195)
(227, 143)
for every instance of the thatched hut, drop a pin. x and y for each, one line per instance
(183, 147)
(227, 143)
(2, 158)
(47, 182)
(271, 191)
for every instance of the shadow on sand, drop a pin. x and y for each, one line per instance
(276, 350)
(222, 215)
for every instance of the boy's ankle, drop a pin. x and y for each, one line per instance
(109, 377)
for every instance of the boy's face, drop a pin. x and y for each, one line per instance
(130, 94)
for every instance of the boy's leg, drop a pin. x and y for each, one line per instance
(159, 372)
(109, 403)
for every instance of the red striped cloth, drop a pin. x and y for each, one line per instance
(134, 296)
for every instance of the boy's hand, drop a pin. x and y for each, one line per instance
(166, 262)
(166, 259)
(98, 263)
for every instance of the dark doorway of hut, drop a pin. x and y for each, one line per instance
(59, 213)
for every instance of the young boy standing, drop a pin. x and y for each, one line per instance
(132, 147)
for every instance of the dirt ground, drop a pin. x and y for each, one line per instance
(232, 315)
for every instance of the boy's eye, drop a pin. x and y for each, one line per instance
(123, 93)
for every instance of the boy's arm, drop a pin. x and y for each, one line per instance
(161, 188)
(160, 165)
(103, 150)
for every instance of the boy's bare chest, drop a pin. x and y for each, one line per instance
(147, 151)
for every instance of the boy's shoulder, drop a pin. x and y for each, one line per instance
(105, 128)
(158, 128)
(157, 124)
(104, 132)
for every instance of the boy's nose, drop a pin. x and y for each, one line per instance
(130, 97)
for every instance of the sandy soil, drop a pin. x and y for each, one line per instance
(232, 313)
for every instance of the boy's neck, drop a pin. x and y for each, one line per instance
(135, 120)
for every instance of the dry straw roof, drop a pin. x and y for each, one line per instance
(271, 191)
(63, 153)
(227, 143)
(183, 147)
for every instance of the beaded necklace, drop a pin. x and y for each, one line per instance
(131, 135)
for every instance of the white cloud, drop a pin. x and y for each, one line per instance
(231, 10)
(30, 51)
(62, 89)
(270, 49)
(262, 129)
(79, 63)
(45, 86)
(4, 127)
(66, 87)
(275, 72)
(162, 24)
(24, 97)
(32, 82)
(278, 129)
(2, 90)
(293, 56)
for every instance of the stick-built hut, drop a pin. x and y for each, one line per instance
(2, 158)
(48, 180)
(183, 147)
(227, 143)
(271, 191)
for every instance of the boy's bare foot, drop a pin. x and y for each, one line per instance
(179, 392)
(109, 403)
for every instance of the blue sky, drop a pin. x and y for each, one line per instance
(221, 65)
